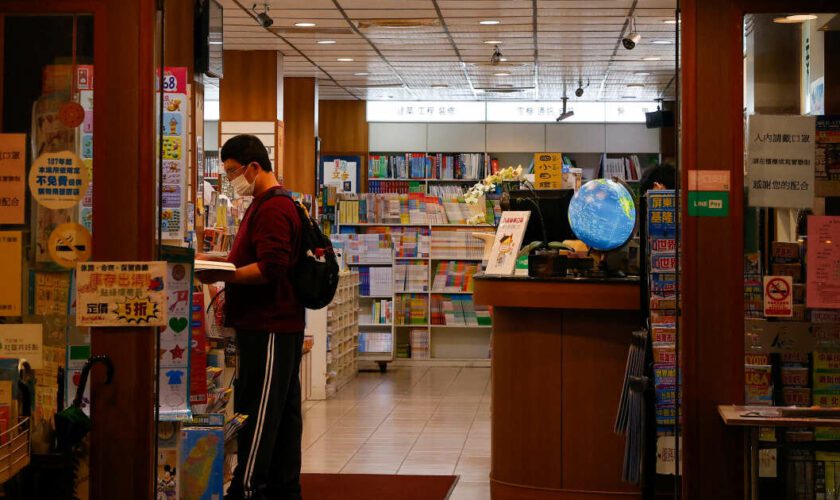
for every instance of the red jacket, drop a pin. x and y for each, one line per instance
(271, 238)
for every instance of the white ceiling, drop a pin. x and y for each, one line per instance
(549, 44)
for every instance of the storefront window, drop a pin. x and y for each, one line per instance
(792, 216)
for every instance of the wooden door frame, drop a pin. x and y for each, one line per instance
(122, 440)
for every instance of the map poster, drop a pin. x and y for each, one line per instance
(121, 294)
(12, 178)
(176, 336)
(508, 241)
(780, 161)
(823, 280)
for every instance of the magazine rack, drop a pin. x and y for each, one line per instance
(15, 450)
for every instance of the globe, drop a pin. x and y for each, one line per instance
(602, 214)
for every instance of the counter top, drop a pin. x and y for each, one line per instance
(558, 293)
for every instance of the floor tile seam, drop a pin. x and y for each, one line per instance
(475, 417)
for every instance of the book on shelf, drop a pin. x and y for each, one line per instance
(364, 248)
(411, 309)
(455, 310)
(454, 276)
(453, 244)
(419, 343)
(375, 342)
(411, 277)
(443, 166)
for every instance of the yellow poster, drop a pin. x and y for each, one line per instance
(52, 292)
(12, 178)
(548, 170)
(121, 294)
(23, 342)
(58, 180)
(10, 272)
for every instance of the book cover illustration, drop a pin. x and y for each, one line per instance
(508, 241)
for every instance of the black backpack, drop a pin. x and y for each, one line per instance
(315, 276)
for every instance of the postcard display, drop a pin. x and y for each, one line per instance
(662, 252)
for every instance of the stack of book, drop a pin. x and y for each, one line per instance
(449, 166)
(454, 276)
(411, 309)
(393, 186)
(753, 286)
(370, 342)
(456, 245)
(404, 208)
(444, 166)
(379, 313)
(411, 242)
(411, 277)
(453, 310)
(364, 248)
(419, 343)
(375, 281)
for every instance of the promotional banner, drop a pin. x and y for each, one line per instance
(121, 294)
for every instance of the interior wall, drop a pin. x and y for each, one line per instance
(777, 59)
(300, 126)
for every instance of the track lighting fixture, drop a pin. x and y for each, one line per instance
(565, 114)
(262, 17)
(581, 88)
(633, 37)
(496, 58)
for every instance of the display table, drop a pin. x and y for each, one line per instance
(559, 352)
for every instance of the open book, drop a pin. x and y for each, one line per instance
(210, 265)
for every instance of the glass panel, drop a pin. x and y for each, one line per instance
(791, 278)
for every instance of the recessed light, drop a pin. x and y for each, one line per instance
(503, 59)
(642, 73)
(795, 18)
(214, 43)
(439, 85)
(661, 42)
(361, 74)
(345, 59)
(635, 85)
(651, 59)
(493, 42)
(326, 42)
(670, 21)
(304, 25)
(628, 97)
(488, 22)
(501, 73)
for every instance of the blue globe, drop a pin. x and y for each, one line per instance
(602, 214)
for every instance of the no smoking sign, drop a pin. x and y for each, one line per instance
(778, 296)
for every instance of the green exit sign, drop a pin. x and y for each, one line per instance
(708, 203)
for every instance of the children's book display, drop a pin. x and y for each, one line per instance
(508, 241)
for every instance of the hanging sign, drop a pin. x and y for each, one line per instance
(175, 152)
(778, 296)
(823, 280)
(780, 161)
(12, 178)
(69, 244)
(121, 294)
(58, 180)
(11, 256)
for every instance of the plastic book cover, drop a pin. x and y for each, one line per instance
(201, 464)
(508, 241)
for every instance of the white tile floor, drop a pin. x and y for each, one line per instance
(409, 421)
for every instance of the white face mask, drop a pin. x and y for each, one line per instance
(242, 187)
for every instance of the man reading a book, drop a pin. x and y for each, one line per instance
(260, 304)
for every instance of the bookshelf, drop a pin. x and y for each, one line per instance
(429, 315)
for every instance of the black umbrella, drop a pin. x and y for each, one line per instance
(71, 424)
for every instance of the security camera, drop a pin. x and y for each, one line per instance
(262, 17)
(265, 20)
(631, 40)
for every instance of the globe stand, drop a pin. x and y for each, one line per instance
(603, 270)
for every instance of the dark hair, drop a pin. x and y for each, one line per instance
(245, 149)
(663, 173)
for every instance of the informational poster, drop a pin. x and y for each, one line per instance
(827, 161)
(708, 193)
(508, 241)
(121, 294)
(780, 161)
(823, 280)
(69, 244)
(49, 292)
(176, 338)
(23, 342)
(11, 272)
(548, 170)
(12, 178)
(58, 180)
(175, 140)
(342, 172)
(778, 296)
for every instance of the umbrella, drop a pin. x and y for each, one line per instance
(71, 424)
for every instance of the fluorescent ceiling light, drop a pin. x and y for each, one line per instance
(345, 59)
(503, 73)
(661, 42)
(304, 25)
(439, 85)
(670, 21)
(503, 59)
(635, 85)
(488, 22)
(795, 18)
(642, 73)
(361, 74)
(214, 43)
(326, 42)
(651, 59)
(493, 42)
(628, 97)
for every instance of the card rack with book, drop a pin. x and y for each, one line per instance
(445, 207)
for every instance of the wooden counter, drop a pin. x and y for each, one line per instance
(559, 353)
